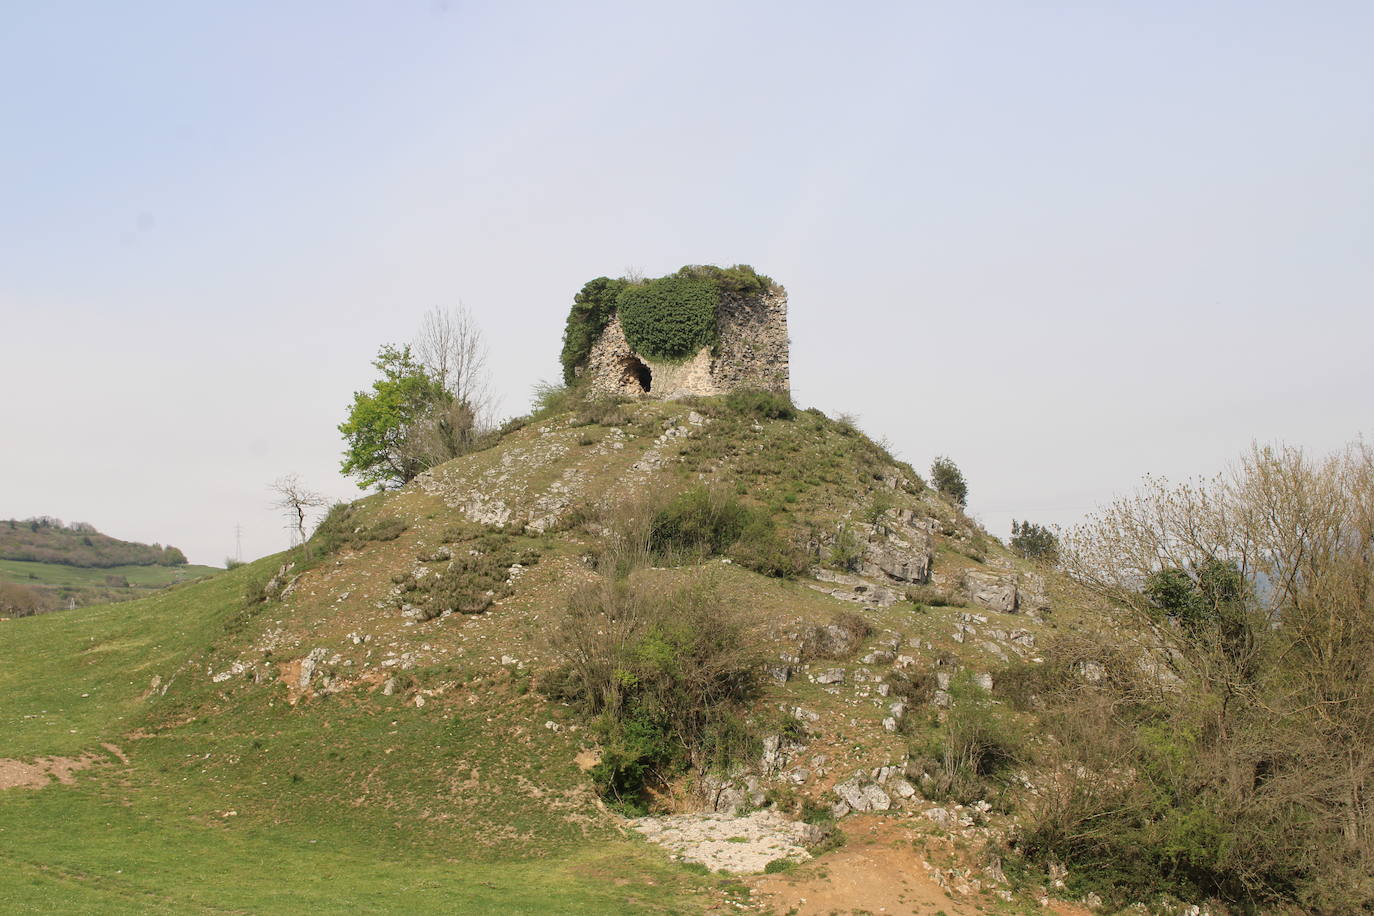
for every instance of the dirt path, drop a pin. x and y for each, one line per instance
(869, 878)
(881, 870)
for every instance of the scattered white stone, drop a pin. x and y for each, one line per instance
(738, 845)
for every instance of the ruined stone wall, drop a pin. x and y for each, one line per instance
(753, 343)
(752, 353)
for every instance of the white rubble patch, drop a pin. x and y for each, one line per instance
(738, 845)
(235, 670)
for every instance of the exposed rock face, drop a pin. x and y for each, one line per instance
(989, 590)
(752, 353)
(899, 548)
(727, 795)
(1006, 593)
(858, 793)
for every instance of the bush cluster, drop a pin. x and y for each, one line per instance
(22, 600)
(706, 522)
(1034, 542)
(474, 576)
(341, 527)
(763, 405)
(666, 676)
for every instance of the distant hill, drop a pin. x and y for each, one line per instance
(46, 565)
(48, 540)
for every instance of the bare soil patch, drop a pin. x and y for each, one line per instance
(880, 870)
(17, 774)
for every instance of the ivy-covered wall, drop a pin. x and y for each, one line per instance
(668, 318)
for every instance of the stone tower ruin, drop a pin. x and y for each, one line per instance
(743, 345)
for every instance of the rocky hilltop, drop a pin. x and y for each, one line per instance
(894, 604)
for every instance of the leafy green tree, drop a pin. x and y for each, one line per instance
(382, 424)
(949, 480)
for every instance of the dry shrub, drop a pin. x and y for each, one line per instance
(22, 600)
(931, 595)
(839, 639)
(1234, 758)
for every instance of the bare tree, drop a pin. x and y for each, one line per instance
(296, 501)
(453, 351)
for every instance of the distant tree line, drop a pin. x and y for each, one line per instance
(48, 540)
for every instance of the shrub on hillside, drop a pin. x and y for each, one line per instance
(846, 551)
(765, 405)
(840, 639)
(467, 585)
(1034, 542)
(603, 411)
(708, 522)
(666, 677)
(762, 549)
(929, 594)
(22, 600)
(975, 744)
(255, 590)
(386, 528)
(949, 480)
(335, 530)
(701, 521)
(342, 527)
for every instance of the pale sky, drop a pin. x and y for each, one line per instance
(1066, 246)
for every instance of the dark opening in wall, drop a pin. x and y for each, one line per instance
(636, 373)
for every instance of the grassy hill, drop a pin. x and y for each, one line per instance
(57, 566)
(390, 717)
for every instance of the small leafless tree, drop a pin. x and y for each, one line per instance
(453, 351)
(296, 501)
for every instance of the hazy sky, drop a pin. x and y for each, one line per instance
(1065, 246)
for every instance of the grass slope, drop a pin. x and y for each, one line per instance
(336, 805)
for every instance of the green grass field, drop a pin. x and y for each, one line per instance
(26, 572)
(245, 803)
